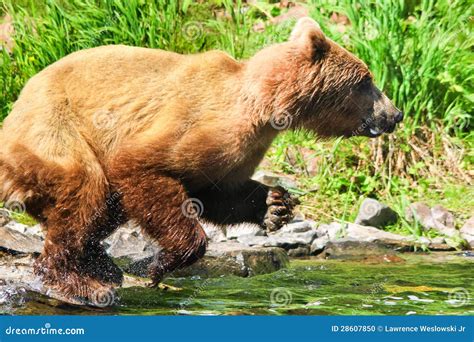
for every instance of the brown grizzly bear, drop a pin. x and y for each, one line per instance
(119, 133)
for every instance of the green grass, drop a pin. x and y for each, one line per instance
(420, 53)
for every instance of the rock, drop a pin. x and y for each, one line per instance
(420, 212)
(350, 249)
(291, 240)
(375, 214)
(380, 251)
(335, 232)
(287, 238)
(130, 249)
(227, 258)
(272, 179)
(298, 227)
(28, 230)
(14, 241)
(36, 230)
(440, 246)
(16, 274)
(250, 229)
(438, 240)
(214, 233)
(233, 258)
(437, 218)
(423, 240)
(14, 269)
(298, 217)
(252, 240)
(443, 216)
(370, 234)
(299, 252)
(133, 253)
(467, 232)
(394, 241)
(319, 244)
(332, 230)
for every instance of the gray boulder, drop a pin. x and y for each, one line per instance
(467, 232)
(252, 240)
(233, 258)
(349, 249)
(376, 214)
(399, 242)
(333, 230)
(299, 252)
(370, 234)
(272, 179)
(436, 218)
(130, 249)
(291, 240)
(15, 241)
(442, 215)
(133, 253)
(298, 227)
(318, 245)
(336, 232)
(289, 237)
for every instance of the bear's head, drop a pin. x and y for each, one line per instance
(318, 85)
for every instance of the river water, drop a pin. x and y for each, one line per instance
(426, 284)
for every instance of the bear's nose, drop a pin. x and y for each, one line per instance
(398, 117)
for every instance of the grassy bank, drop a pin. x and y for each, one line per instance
(419, 51)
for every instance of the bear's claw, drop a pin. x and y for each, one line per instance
(280, 208)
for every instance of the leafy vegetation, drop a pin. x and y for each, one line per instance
(419, 51)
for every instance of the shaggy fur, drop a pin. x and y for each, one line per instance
(116, 133)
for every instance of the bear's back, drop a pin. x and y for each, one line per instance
(133, 88)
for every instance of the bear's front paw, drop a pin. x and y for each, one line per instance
(280, 208)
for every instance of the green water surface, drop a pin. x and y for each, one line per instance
(423, 285)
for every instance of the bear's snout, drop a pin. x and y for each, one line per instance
(398, 117)
(384, 124)
(385, 117)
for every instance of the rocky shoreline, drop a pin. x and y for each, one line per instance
(246, 249)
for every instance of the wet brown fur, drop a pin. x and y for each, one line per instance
(116, 133)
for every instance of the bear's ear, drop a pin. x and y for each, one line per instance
(308, 33)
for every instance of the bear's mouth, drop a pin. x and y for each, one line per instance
(376, 131)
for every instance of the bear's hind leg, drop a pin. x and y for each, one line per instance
(73, 261)
(157, 203)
